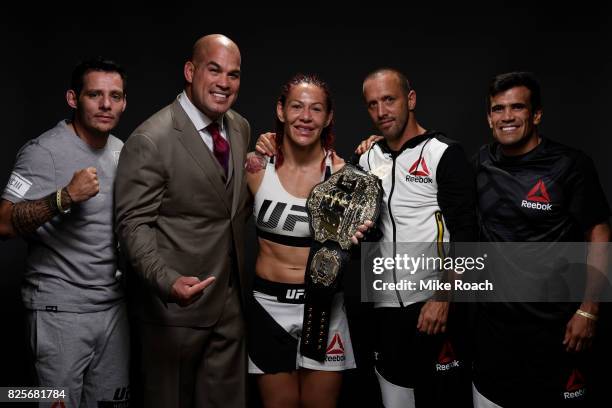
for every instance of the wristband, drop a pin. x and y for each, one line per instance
(587, 314)
(58, 202)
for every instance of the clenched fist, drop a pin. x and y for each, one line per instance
(84, 185)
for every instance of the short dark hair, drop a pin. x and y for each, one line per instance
(404, 82)
(509, 80)
(95, 64)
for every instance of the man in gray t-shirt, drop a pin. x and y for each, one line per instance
(60, 199)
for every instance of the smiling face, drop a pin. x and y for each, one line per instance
(513, 121)
(213, 77)
(304, 114)
(100, 103)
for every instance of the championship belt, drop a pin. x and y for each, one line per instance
(336, 207)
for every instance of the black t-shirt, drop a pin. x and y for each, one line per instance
(550, 194)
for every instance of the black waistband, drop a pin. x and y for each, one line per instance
(302, 242)
(284, 292)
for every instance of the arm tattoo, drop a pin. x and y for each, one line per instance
(27, 216)
(255, 162)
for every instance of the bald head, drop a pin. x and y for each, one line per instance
(212, 76)
(211, 43)
(402, 81)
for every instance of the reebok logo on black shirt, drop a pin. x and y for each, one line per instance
(538, 198)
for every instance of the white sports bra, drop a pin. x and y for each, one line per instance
(279, 216)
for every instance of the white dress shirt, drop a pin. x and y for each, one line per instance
(201, 121)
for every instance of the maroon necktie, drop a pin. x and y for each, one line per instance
(221, 148)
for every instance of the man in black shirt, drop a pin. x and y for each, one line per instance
(532, 189)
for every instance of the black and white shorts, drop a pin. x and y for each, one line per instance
(274, 318)
(433, 365)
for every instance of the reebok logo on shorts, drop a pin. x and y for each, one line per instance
(575, 387)
(335, 350)
(537, 198)
(18, 185)
(447, 359)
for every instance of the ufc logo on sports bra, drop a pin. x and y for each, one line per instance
(295, 214)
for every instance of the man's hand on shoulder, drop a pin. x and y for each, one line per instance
(365, 145)
(266, 144)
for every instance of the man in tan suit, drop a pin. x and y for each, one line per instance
(181, 208)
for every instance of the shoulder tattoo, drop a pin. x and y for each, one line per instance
(255, 162)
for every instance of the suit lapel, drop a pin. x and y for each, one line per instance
(238, 153)
(192, 141)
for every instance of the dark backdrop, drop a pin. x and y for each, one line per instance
(448, 51)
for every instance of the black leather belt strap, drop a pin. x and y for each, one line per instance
(323, 276)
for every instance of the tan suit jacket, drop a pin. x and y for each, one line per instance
(177, 215)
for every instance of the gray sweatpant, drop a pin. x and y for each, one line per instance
(85, 353)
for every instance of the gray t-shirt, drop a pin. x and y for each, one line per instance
(71, 263)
